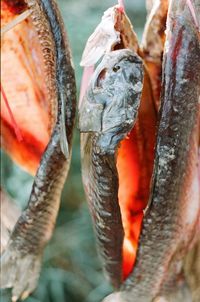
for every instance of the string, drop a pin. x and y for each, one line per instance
(13, 122)
(121, 4)
(192, 10)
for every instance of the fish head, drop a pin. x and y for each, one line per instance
(113, 96)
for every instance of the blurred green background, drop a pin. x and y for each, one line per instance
(71, 268)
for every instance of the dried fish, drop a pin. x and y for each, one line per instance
(21, 260)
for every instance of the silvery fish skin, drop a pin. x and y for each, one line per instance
(21, 261)
(107, 114)
(172, 220)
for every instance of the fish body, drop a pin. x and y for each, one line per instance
(171, 221)
(135, 155)
(21, 260)
(106, 116)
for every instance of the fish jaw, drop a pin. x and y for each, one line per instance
(114, 30)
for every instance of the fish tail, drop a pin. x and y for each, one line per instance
(19, 272)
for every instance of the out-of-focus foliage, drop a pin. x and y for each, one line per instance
(71, 269)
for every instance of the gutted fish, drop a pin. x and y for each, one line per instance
(136, 151)
(156, 268)
(29, 86)
(55, 100)
(107, 114)
(169, 241)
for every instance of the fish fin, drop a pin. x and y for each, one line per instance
(63, 143)
(19, 272)
(63, 135)
(94, 111)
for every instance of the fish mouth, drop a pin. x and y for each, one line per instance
(28, 82)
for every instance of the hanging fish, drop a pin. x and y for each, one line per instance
(107, 114)
(169, 239)
(38, 81)
(156, 269)
(136, 150)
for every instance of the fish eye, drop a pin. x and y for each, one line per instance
(116, 68)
